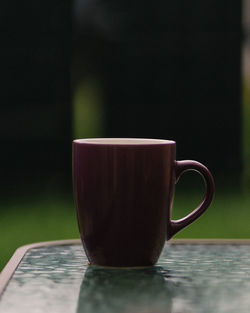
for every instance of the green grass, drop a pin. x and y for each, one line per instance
(227, 217)
(40, 219)
(50, 217)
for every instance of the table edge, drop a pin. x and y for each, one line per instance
(18, 255)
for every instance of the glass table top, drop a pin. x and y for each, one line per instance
(197, 278)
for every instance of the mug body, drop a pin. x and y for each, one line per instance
(123, 191)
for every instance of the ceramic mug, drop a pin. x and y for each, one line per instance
(123, 191)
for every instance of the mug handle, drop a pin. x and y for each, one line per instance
(180, 167)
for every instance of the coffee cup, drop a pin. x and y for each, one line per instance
(123, 190)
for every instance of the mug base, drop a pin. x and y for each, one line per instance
(119, 267)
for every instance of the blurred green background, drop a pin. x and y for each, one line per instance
(38, 205)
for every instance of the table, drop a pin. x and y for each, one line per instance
(198, 276)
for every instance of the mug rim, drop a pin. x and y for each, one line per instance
(124, 141)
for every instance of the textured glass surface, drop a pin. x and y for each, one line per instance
(188, 278)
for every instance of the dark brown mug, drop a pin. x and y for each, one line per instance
(123, 191)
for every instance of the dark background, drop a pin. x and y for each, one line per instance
(35, 121)
(166, 69)
(88, 68)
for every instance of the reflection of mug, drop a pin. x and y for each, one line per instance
(123, 192)
(125, 291)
